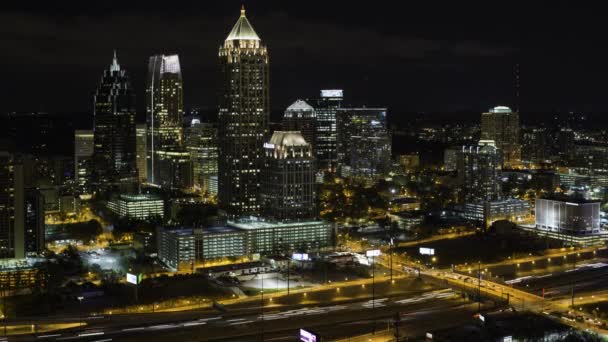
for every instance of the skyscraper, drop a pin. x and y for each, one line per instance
(326, 134)
(501, 124)
(83, 153)
(243, 118)
(164, 110)
(201, 141)
(34, 222)
(288, 182)
(478, 171)
(141, 147)
(301, 117)
(363, 142)
(12, 235)
(114, 127)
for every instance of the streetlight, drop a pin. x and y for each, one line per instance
(373, 253)
(80, 298)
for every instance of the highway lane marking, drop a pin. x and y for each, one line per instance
(133, 329)
(49, 336)
(191, 324)
(91, 334)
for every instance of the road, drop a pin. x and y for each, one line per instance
(275, 322)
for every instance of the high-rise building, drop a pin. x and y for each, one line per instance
(568, 215)
(174, 169)
(300, 116)
(478, 171)
(363, 142)
(243, 118)
(34, 222)
(288, 182)
(83, 153)
(141, 144)
(326, 135)
(12, 234)
(201, 141)
(114, 127)
(501, 124)
(164, 110)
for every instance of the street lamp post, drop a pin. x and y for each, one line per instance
(373, 253)
(262, 310)
(80, 298)
(479, 286)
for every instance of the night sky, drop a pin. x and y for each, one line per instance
(403, 55)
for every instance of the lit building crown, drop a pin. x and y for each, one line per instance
(243, 30)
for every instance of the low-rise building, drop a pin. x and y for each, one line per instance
(487, 212)
(566, 215)
(138, 206)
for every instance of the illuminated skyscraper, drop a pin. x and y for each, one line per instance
(326, 134)
(301, 117)
(141, 143)
(288, 182)
(478, 172)
(243, 118)
(501, 124)
(363, 142)
(12, 234)
(83, 152)
(164, 110)
(201, 141)
(114, 127)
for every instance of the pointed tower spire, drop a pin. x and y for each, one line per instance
(242, 30)
(115, 66)
(242, 10)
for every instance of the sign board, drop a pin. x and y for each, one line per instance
(332, 93)
(507, 339)
(307, 336)
(372, 253)
(429, 336)
(427, 251)
(132, 279)
(300, 256)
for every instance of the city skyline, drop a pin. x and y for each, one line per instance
(446, 63)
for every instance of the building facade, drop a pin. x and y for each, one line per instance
(571, 216)
(141, 147)
(301, 117)
(83, 156)
(326, 134)
(288, 182)
(12, 232)
(501, 124)
(243, 119)
(114, 127)
(201, 141)
(33, 222)
(140, 207)
(478, 170)
(363, 142)
(164, 111)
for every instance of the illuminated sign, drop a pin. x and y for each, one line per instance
(507, 339)
(133, 278)
(268, 145)
(372, 253)
(300, 256)
(429, 336)
(426, 251)
(332, 93)
(307, 336)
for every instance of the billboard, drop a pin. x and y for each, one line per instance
(372, 253)
(133, 278)
(307, 336)
(300, 256)
(332, 93)
(427, 251)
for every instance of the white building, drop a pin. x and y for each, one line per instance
(141, 207)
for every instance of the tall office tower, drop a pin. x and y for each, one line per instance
(243, 119)
(12, 235)
(300, 116)
(201, 141)
(83, 154)
(141, 149)
(363, 142)
(164, 110)
(114, 127)
(34, 222)
(478, 171)
(326, 130)
(566, 145)
(502, 125)
(288, 182)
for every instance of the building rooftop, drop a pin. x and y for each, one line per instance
(501, 109)
(569, 199)
(254, 223)
(300, 105)
(139, 197)
(287, 138)
(243, 30)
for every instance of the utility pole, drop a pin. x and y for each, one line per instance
(374, 294)
(391, 257)
(479, 286)
(262, 310)
(573, 284)
(397, 321)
